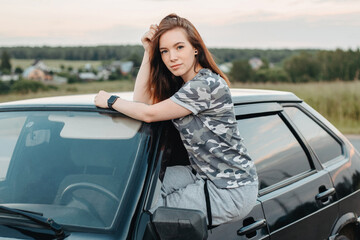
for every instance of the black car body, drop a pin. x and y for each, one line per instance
(96, 173)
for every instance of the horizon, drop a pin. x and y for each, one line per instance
(239, 24)
(139, 45)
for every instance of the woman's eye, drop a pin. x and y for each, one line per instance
(163, 51)
(180, 47)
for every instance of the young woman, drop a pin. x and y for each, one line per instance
(178, 80)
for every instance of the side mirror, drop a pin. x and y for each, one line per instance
(178, 223)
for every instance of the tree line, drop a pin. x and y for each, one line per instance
(75, 53)
(135, 52)
(279, 65)
(322, 65)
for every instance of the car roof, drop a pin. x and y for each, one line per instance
(240, 96)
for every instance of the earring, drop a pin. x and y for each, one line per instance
(196, 52)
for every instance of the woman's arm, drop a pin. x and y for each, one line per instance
(140, 89)
(164, 110)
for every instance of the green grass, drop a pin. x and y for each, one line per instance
(339, 102)
(77, 88)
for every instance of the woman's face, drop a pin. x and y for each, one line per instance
(177, 53)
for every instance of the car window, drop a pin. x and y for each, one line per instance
(323, 144)
(9, 133)
(276, 152)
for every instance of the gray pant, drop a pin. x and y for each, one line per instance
(182, 189)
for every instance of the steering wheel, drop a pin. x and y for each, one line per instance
(65, 195)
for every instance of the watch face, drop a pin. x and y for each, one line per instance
(112, 100)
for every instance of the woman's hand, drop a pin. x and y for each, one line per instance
(101, 99)
(148, 36)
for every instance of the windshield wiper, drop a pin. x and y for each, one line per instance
(46, 222)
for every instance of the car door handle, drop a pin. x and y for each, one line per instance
(325, 194)
(252, 227)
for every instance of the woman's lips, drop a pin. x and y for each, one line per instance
(174, 67)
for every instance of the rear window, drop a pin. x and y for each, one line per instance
(323, 144)
(276, 152)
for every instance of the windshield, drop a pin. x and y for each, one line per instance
(70, 166)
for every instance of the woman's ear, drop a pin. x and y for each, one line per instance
(196, 52)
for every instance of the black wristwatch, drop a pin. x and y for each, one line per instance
(111, 101)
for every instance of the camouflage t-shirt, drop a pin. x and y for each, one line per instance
(210, 134)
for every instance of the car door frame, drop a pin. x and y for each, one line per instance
(344, 171)
(330, 205)
(269, 194)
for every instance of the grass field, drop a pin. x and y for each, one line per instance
(338, 101)
(77, 88)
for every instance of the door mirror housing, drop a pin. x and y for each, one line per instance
(178, 223)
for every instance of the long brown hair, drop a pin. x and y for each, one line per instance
(163, 84)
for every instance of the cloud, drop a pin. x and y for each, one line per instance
(299, 32)
(232, 23)
(111, 36)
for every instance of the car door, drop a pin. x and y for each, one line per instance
(295, 192)
(334, 154)
(253, 226)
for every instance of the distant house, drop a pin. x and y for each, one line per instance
(88, 67)
(103, 74)
(33, 73)
(87, 76)
(226, 67)
(41, 65)
(124, 67)
(59, 80)
(8, 78)
(39, 72)
(255, 63)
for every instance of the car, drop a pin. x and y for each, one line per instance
(70, 170)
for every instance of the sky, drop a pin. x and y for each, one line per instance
(263, 24)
